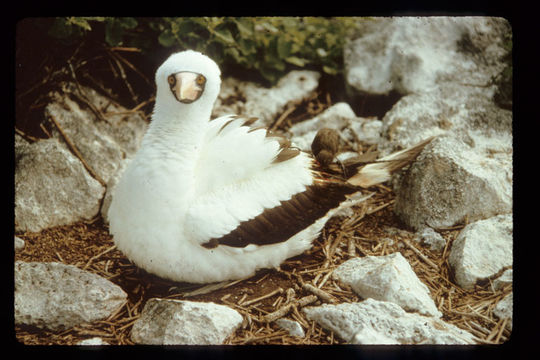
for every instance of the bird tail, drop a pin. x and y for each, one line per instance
(382, 169)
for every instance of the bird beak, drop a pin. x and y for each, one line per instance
(186, 86)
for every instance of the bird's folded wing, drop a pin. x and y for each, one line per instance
(241, 172)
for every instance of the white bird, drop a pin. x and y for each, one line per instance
(213, 200)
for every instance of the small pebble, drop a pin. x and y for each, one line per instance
(19, 243)
(293, 327)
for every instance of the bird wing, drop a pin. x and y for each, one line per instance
(243, 171)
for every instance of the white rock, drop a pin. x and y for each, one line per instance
(467, 113)
(176, 322)
(370, 336)
(415, 54)
(52, 187)
(451, 181)
(482, 249)
(19, 243)
(388, 278)
(340, 117)
(503, 280)
(293, 327)
(432, 238)
(250, 99)
(102, 144)
(505, 309)
(93, 341)
(379, 322)
(57, 296)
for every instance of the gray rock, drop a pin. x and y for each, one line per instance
(482, 249)
(416, 54)
(450, 182)
(388, 278)
(93, 341)
(19, 243)
(379, 322)
(103, 143)
(250, 99)
(52, 187)
(505, 309)
(293, 327)
(58, 296)
(340, 117)
(432, 238)
(503, 280)
(176, 322)
(467, 113)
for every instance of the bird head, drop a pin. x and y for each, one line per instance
(187, 78)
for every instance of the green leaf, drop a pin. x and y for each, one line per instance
(113, 33)
(126, 22)
(166, 38)
(330, 70)
(283, 47)
(224, 35)
(297, 61)
(80, 21)
(244, 26)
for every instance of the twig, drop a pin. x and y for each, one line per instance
(286, 308)
(98, 256)
(24, 135)
(121, 58)
(252, 301)
(351, 249)
(420, 255)
(81, 95)
(323, 295)
(369, 212)
(74, 149)
(123, 48)
(116, 58)
(286, 113)
(324, 279)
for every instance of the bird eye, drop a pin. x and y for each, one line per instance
(200, 80)
(171, 79)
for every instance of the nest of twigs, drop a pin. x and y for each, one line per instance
(373, 229)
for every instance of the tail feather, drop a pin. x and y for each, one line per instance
(382, 169)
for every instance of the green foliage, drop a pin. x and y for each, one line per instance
(269, 45)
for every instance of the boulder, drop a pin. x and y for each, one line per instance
(177, 322)
(417, 54)
(388, 278)
(451, 182)
(482, 249)
(250, 99)
(505, 309)
(52, 187)
(102, 142)
(59, 296)
(505, 279)
(380, 322)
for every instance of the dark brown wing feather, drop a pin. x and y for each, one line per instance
(280, 223)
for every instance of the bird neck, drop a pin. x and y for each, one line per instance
(178, 129)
